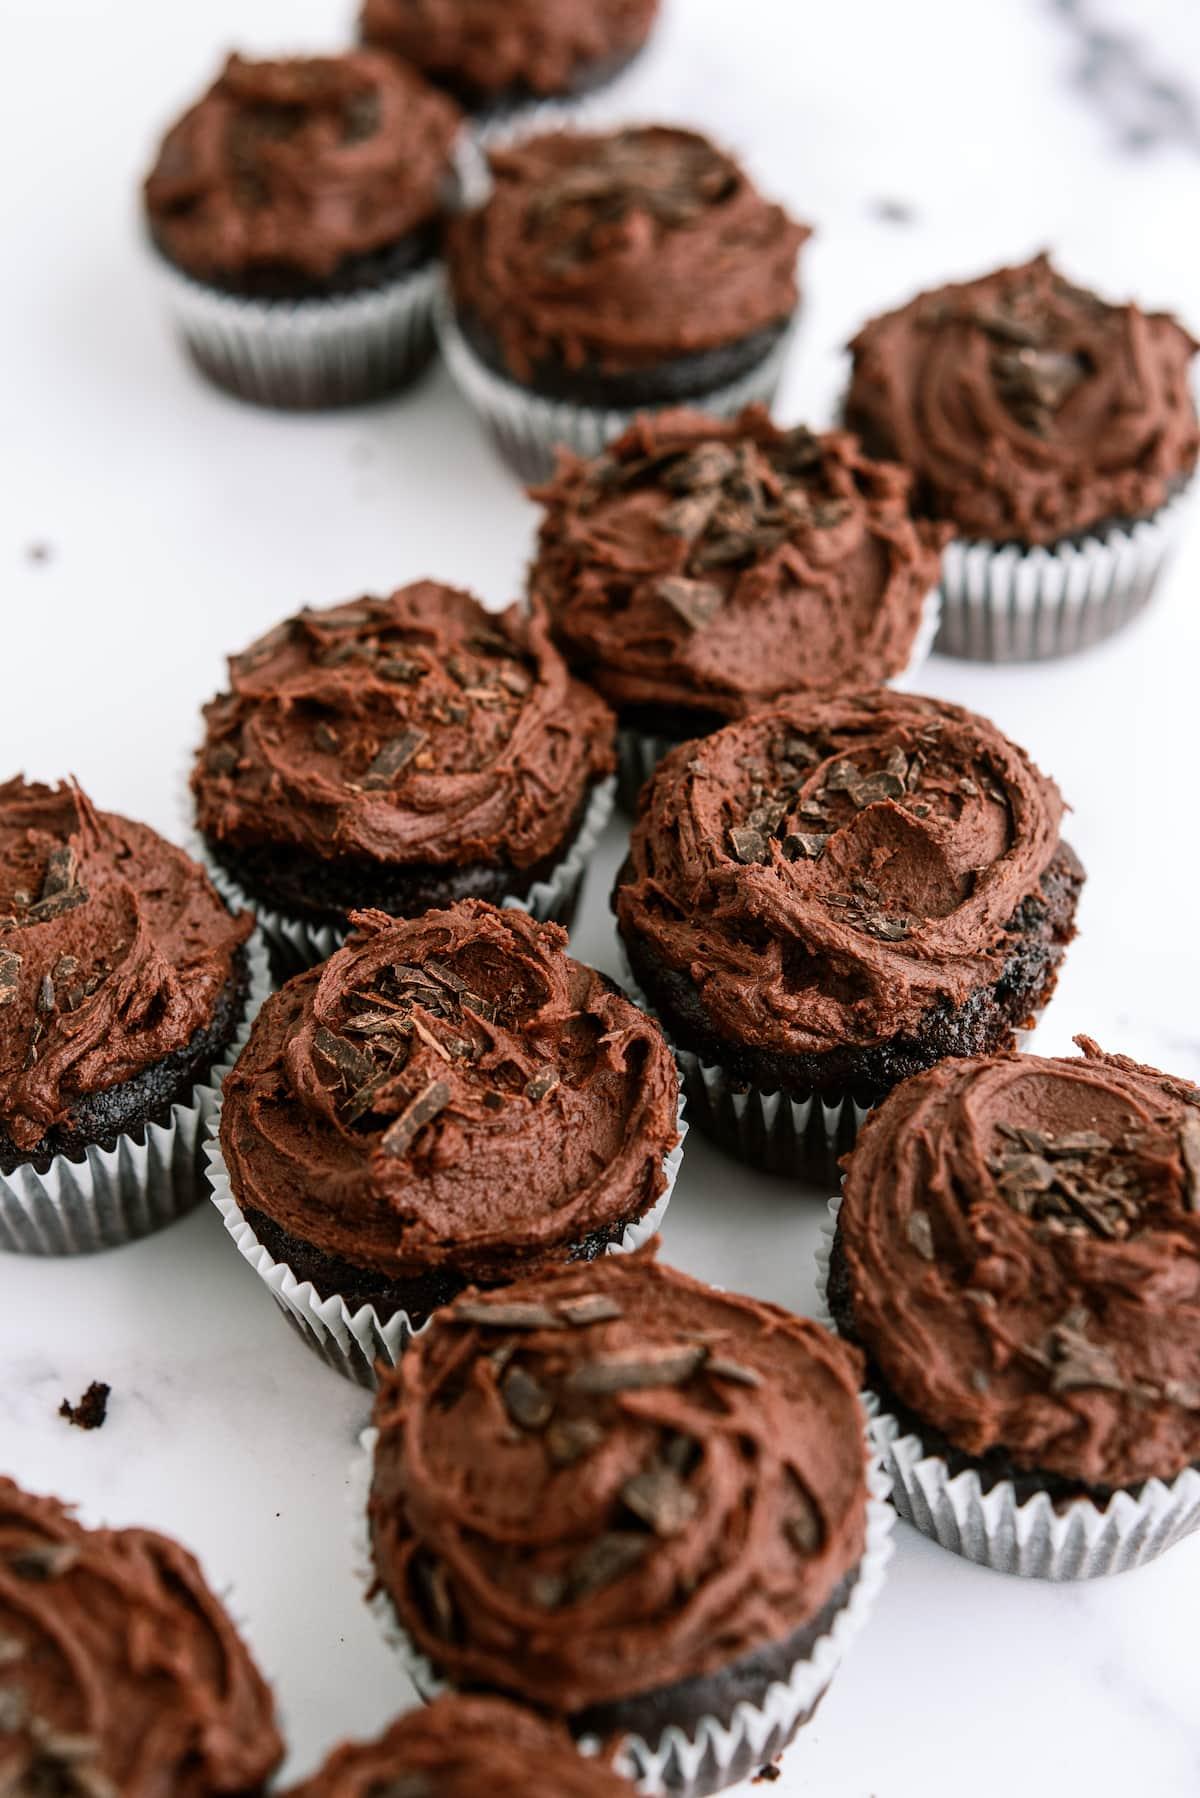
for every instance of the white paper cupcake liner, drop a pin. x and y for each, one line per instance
(298, 944)
(1034, 1538)
(308, 353)
(152, 1176)
(352, 1342)
(1008, 604)
(528, 429)
(711, 1754)
(640, 752)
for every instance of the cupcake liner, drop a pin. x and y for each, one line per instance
(296, 943)
(152, 1176)
(711, 1754)
(528, 428)
(307, 353)
(352, 1342)
(1008, 604)
(640, 752)
(1034, 1538)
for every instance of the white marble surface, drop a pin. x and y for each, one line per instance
(176, 524)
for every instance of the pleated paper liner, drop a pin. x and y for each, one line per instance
(1034, 1538)
(151, 1176)
(352, 1342)
(1008, 604)
(711, 1754)
(297, 943)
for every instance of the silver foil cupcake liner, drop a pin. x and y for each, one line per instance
(1035, 1538)
(640, 752)
(1008, 604)
(305, 354)
(297, 944)
(711, 1754)
(352, 1342)
(529, 429)
(152, 1175)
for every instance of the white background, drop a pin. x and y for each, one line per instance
(177, 524)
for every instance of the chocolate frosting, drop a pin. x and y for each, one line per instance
(1027, 408)
(1023, 1242)
(413, 730)
(451, 1091)
(826, 872)
(613, 1478)
(489, 47)
(120, 1673)
(717, 565)
(621, 251)
(459, 1747)
(300, 164)
(114, 949)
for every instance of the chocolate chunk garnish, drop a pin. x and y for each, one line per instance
(61, 871)
(801, 845)
(689, 517)
(10, 975)
(633, 1372)
(1077, 1362)
(541, 1083)
(605, 1561)
(568, 1439)
(919, 1231)
(708, 465)
(660, 1498)
(393, 758)
(748, 845)
(589, 1308)
(397, 1139)
(527, 1402)
(92, 1409)
(501, 1316)
(696, 602)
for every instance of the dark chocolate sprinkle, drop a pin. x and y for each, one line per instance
(660, 1498)
(394, 757)
(516, 1315)
(526, 1401)
(633, 1372)
(398, 1138)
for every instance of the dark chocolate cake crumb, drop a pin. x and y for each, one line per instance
(92, 1409)
(769, 1773)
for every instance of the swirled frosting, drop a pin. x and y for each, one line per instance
(451, 1091)
(459, 1747)
(1027, 408)
(716, 565)
(120, 1673)
(485, 49)
(1023, 1243)
(621, 251)
(418, 729)
(300, 164)
(827, 871)
(613, 1478)
(114, 950)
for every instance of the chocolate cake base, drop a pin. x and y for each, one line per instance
(495, 108)
(993, 1468)
(100, 1118)
(420, 1295)
(316, 891)
(363, 273)
(1038, 931)
(683, 378)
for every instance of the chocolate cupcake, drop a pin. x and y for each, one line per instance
(297, 210)
(501, 56)
(400, 754)
(1018, 1252)
(124, 981)
(459, 1747)
(446, 1101)
(639, 1504)
(120, 1672)
(1054, 431)
(825, 898)
(700, 570)
(613, 272)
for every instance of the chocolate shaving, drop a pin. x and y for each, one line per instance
(393, 758)
(61, 871)
(1077, 1362)
(589, 1308)
(640, 1371)
(748, 845)
(541, 1083)
(660, 1498)
(605, 1561)
(44, 1560)
(396, 668)
(803, 1527)
(398, 1138)
(569, 1439)
(689, 517)
(1189, 1144)
(514, 1315)
(527, 1402)
(919, 1231)
(10, 975)
(696, 602)
(719, 1368)
(708, 465)
(435, 1587)
(801, 845)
